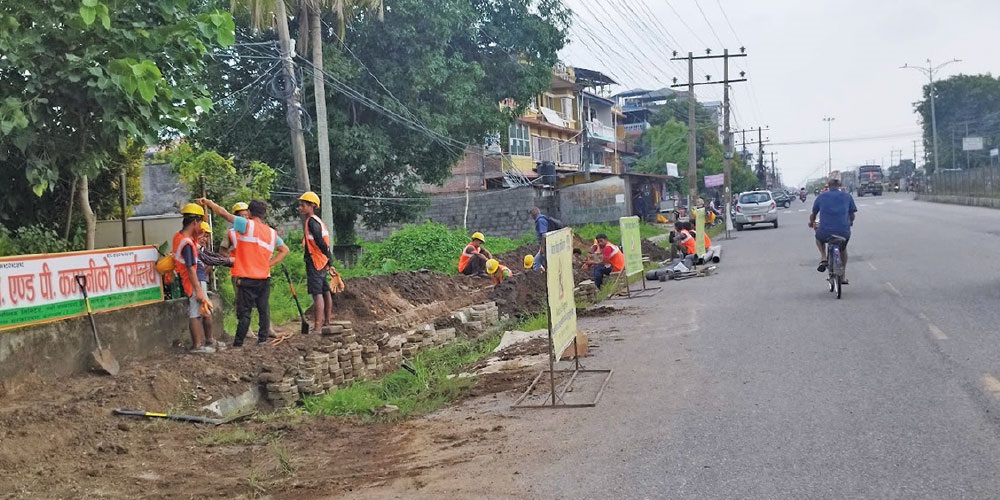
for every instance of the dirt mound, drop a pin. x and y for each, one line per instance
(521, 294)
(655, 252)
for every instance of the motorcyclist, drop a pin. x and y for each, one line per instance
(802, 194)
(835, 209)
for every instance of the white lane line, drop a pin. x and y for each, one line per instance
(872, 266)
(880, 203)
(991, 385)
(936, 332)
(893, 289)
(802, 210)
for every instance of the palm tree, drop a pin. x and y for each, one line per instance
(262, 12)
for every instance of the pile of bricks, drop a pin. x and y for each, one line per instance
(586, 291)
(341, 359)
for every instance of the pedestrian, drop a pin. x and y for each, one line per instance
(543, 224)
(259, 247)
(472, 261)
(185, 252)
(497, 271)
(612, 259)
(206, 260)
(316, 249)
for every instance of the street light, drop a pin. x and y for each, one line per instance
(929, 71)
(829, 147)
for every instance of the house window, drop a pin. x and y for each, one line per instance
(520, 140)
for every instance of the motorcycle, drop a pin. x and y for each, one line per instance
(895, 188)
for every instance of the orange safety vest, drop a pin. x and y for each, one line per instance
(318, 259)
(178, 245)
(708, 241)
(499, 275)
(688, 242)
(464, 259)
(256, 248)
(617, 258)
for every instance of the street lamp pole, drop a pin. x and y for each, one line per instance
(929, 71)
(829, 147)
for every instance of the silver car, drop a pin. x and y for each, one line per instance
(755, 207)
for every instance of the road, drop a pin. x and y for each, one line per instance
(756, 383)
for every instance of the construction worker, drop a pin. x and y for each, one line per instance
(259, 247)
(472, 262)
(529, 261)
(497, 271)
(206, 260)
(229, 245)
(185, 251)
(612, 259)
(316, 242)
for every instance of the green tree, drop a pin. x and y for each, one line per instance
(81, 79)
(964, 105)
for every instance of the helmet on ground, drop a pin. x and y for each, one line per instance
(239, 206)
(193, 209)
(529, 261)
(311, 197)
(205, 227)
(478, 236)
(492, 265)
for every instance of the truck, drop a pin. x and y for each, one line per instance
(870, 179)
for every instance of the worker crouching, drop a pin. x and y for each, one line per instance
(497, 271)
(472, 261)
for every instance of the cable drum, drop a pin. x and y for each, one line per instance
(281, 86)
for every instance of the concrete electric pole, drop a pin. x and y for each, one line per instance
(829, 145)
(929, 71)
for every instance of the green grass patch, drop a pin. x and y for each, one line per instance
(428, 390)
(614, 232)
(539, 321)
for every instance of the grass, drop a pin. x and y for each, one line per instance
(614, 232)
(538, 321)
(283, 457)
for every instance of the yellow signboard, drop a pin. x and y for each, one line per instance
(631, 244)
(559, 280)
(699, 227)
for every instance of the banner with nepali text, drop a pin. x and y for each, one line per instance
(44, 287)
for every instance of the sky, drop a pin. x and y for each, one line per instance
(806, 60)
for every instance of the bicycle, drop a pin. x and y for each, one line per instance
(835, 267)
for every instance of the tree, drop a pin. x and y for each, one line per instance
(83, 79)
(403, 103)
(965, 105)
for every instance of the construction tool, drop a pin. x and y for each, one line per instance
(102, 356)
(183, 418)
(302, 315)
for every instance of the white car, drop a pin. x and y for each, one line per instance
(755, 207)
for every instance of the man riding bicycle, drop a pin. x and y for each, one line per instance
(836, 210)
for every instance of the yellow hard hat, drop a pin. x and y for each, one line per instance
(310, 197)
(205, 227)
(239, 206)
(478, 236)
(193, 209)
(492, 265)
(529, 261)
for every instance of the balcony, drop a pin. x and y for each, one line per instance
(598, 130)
(631, 128)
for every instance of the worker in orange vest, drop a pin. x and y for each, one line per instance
(316, 242)
(185, 252)
(229, 246)
(613, 260)
(258, 248)
(497, 271)
(472, 261)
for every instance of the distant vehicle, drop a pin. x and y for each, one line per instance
(870, 179)
(755, 207)
(781, 198)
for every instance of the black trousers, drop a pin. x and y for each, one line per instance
(252, 293)
(474, 266)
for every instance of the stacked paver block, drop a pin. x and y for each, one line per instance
(479, 317)
(280, 386)
(586, 291)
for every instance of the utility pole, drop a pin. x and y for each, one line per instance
(829, 145)
(692, 125)
(915, 154)
(761, 173)
(774, 170)
(929, 71)
(760, 142)
(293, 115)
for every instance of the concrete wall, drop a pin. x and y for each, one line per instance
(601, 201)
(62, 348)
(971, 201)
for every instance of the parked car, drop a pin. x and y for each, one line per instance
(781, 198)
(755, 207)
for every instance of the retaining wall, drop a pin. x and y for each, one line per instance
(971, 201)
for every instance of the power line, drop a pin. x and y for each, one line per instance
(710, 27)
(726, 16)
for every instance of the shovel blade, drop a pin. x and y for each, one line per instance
(106, 361)
(305, 328)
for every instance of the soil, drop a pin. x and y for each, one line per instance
(61, 440)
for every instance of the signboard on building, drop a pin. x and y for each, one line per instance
(972, 144)
(40, 288)
(672, 170)
(559, 282)
(714, 180)
(995, 152)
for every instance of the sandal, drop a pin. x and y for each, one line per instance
(822, 266)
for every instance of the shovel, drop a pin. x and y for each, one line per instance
(302, 315)
(102, 356)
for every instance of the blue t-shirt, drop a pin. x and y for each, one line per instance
(541, 226)
(240, 225)
(834, 208)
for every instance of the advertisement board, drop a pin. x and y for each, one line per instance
(559, 282)
(631, 244)
(40, 288)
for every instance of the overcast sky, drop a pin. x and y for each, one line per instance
(806, 60)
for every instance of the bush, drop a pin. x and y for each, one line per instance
(426, 246)
(36, 239)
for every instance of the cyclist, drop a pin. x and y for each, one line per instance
(836, 210)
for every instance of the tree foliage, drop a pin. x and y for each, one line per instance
(440, 69)
(223, 179)
(963, 103)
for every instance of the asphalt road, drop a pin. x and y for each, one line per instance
(756, 383)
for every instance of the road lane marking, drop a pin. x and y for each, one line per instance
(872, 266)
(936, 332)
(991, 385)
(893, 289)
